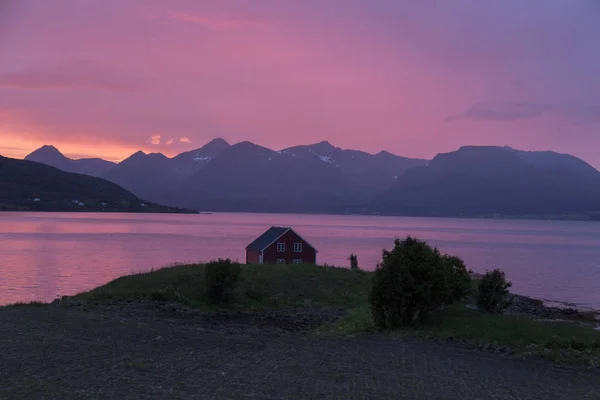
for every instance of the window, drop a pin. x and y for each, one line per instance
(280, 261)
(298, 247)
(297, 261)
(280, 247)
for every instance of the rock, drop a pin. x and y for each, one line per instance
(569, 311)
(533, 308)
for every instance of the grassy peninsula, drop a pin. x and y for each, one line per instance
(264, 288)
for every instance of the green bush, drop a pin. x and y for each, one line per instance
(459, 278)
(492, 290)
(411, 280)
(222, 278)
(353, 262)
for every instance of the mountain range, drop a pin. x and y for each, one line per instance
(322, 178)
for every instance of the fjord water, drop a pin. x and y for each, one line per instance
(44, 255)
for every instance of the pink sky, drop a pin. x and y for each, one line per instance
(108, 77)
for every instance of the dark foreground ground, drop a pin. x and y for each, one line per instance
(150, 352)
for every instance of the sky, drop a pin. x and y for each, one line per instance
(109, 77)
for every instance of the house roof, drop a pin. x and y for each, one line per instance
(264, 240)
(270, 236)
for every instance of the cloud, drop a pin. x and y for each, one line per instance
(504, 111)
(78, 75)
(184, 140)
(169, 141)
(154, 139)
(579, 114)
(214, 23)
(582, 114)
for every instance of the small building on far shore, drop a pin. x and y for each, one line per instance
(280, 245)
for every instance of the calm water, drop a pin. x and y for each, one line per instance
(46, 255)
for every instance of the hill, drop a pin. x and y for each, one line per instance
(32, 186)
(478, 181)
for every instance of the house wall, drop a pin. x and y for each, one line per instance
(308, 255)
(252, 256)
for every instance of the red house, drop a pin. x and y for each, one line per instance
(280, 245)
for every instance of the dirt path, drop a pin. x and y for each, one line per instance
(140, 352)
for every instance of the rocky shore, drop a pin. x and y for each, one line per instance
(526, 306)
(539, 309)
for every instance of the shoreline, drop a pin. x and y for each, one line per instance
(539, 309)
(545, 310)
(559, 218)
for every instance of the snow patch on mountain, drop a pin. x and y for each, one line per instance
(327, 159)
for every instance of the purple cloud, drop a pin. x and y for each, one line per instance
(504, 111)
(78, 75)
(512, 111)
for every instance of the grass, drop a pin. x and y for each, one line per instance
(358, 320)
(558, 341)
(518, 332)
(261, 286)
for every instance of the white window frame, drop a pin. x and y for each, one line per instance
(297, 261)
(281, 247)
(280, 261)
(298, 247)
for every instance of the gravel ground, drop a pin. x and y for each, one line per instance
(150, 352)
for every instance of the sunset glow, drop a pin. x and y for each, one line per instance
(413, 78)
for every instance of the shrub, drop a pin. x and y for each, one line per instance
(492, 289)
(459, 278)
(222, 277)
(353, 262)
(411, 280)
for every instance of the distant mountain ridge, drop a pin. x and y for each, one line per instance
(322, 178)
(254, 178)
(50, 155)
(368, 171)
(488, 180)
(223, 176)
(32, 186)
